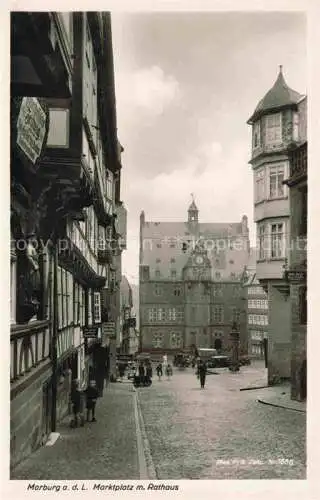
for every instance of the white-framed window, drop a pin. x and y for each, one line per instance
(262, 241)
(177, 291)
(172, 314)
(157, 340)
(235, 314)
(276, 178)
(157, 273)
(259, 185)
(217, 313)
(97, 307)
(152, 314)
(90, 307)
(173, 273)
(82, 306)
(273, 129)
(277, 241)
(157, 290)
(175, 340)
(76, 303)
(161, 314)
(256, 135)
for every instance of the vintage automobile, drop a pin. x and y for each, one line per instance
(219, 361)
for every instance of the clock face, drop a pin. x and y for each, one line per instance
(199, 259)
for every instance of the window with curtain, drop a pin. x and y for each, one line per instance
(273, 129)
(277, 241)
(276, 178)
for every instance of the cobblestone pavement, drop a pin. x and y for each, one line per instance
(220, 432)
(106, 449)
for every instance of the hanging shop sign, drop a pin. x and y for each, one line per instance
(90, 332)
(296, 276)
(109, 329)
(32, 124)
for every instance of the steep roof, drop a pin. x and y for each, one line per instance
(278, 96)
(165, 229)
(193, 207)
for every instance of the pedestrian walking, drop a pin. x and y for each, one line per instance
(92, 396)
(141, 373)
(169, 371)
(159, 371)
(76, 401)
(202, 372)
(148, 373)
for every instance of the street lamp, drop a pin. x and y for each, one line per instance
(235, 336)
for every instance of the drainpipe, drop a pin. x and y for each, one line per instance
(54, 340)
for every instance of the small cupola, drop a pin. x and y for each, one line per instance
(193, 212)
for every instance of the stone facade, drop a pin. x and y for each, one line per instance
(190, 292)
(275, 129)
(297, 262)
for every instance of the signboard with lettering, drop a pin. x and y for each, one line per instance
(90, 331)
(31, 128)
(109, 329)
(297, 276)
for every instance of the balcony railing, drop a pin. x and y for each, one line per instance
(299, 162)
(29, 346)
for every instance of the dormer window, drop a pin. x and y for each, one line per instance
(273, 129)
(256, 135)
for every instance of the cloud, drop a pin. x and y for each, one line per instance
(148, 90)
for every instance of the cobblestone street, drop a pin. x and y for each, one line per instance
(192, 434)
(220, 432)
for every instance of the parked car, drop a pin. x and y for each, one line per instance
(219, 362)
(244, 360)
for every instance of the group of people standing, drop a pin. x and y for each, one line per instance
(80, 399)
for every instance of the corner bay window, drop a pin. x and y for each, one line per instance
(277, 241)
(261, 241)
(273, 129)
(276, 178)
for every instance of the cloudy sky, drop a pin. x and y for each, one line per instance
(186, 83)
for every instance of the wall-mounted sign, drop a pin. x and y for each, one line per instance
(109, 329)
(90, 332)
(298, 276)
(31, 128)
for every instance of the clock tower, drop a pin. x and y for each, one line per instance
(197, 278)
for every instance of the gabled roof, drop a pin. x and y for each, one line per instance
(279, 96)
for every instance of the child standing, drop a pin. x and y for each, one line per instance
(92, 396)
